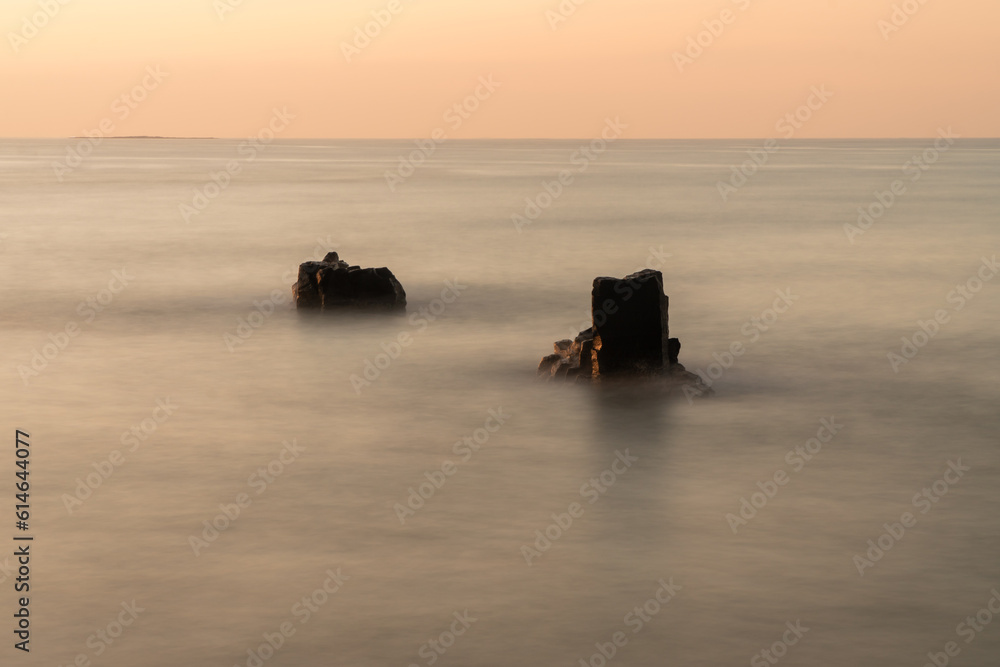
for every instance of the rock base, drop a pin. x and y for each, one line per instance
(569, 363)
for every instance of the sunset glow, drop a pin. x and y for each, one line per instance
(699, 68)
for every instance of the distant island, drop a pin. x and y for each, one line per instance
(145, 137)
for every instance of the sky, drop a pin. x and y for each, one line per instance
(555, 68)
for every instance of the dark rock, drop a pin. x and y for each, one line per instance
(548, 364)
(630, 323)
(674, 348)
(587, 358)
(305, 291)
(333, 284)
(630, 338)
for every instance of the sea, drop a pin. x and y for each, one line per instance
(216, 479)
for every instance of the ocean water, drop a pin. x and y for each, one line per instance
(357, 416)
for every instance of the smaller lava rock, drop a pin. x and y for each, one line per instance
(334, 285)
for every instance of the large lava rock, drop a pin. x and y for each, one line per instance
(333, 285)
(631, 332)
(630, 336)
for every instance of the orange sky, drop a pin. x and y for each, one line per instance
(228, 69)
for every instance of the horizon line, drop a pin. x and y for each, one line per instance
(622, 139)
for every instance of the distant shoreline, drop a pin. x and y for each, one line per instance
(144, 137)
(502, 139)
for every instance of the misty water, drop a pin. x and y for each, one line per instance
(190, 308)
